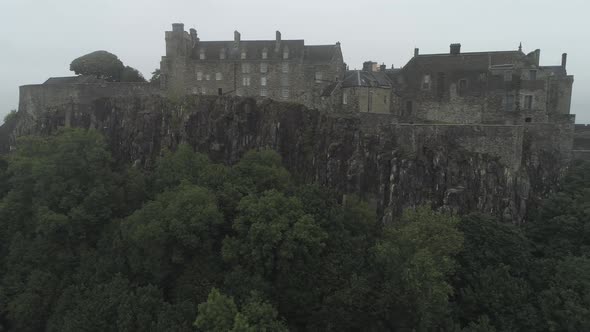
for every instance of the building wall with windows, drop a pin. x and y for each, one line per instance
(507, 87)
(280, 69)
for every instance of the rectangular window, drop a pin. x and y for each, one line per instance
(208, 77)
(409, 107)
(263, 92)
(462, 86)
(426, 82)
(218, 76)
(263, 67)
(532, 75)
(285, 67)
(246, 81)
(285, 54)
(199, 76)
(263, 81)
(509, 103)
(220, 91)
(285, 93)
(245, 68)
(195, 90)
(344, 99)
(528, 102)
(264, 54)
(243, 55)
(508, 76)
(222, 54)
(318, 75)
(202, 55)
(203, 90)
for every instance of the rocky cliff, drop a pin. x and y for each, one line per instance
(497, 169)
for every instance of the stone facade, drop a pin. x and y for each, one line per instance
(279, 69)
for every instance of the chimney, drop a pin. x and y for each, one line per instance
(178, 27)
(278, 41)
(455, 49)
(237, 38)
(416, 51)
(563, 60)
(383, 67)
(194, 37)
(368, 66)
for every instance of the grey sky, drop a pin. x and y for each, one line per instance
(39, 38)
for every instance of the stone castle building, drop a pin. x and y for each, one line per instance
(280, 69)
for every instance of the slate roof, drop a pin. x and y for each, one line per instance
(468, 61)
(254, 49)
(73, 80)
(360, 78)
(556, 70)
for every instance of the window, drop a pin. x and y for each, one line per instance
(218, 76)
(344, 99)
(203, 90)
(285, 67)
(318, 75)
(462, 86)
(208, 77)
(195, 90)
(509, 103)
(246, 81)
(222, 54)
(202, 54)
(263, 67)
(243, 55)
(285, 93)
(409, 107)
(265, 53)
(220, 91)
(426, 82)
(286, 53)
(532, 75)
(385, 99)
(199, 76)
(245, 68)
(263, 81)
(528, 102)
(507, 76)
(263, 92)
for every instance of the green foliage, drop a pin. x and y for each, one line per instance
(156, 74)
(10, 116)
(90, 245)
(105, 65)
(101, 64)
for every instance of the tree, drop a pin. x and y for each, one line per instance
(10, 116)
(156, 75)
(101, 64)
(130, 74)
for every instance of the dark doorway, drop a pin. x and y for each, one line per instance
(220, 91)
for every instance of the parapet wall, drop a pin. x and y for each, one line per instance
(37, 99)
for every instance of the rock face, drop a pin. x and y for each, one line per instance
(497, 169)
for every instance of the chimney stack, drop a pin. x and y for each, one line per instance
(455, 48)
(383, 67)
(416, 51)
(278, 41)
(237, 38)
(178, 27)
(194, 37)
(563, 60)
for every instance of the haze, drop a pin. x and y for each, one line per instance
(40, 38)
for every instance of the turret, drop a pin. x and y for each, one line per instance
(177, 41)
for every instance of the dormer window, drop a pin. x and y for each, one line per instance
(222, 54)
(532, 75)
(426, 82)
(286, 53)
(243, 54)
(202, 54)
(265, 53)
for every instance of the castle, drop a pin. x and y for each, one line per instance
(501, 87)
(487, 131)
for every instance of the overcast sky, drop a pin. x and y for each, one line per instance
(39, 38)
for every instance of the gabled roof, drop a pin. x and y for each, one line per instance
(74, 80)
(469, 61)
(254, 49)
(357, 78)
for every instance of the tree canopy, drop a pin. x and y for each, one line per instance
(87, 244)
(105, 65)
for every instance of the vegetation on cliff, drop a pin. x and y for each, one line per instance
(89, 245)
